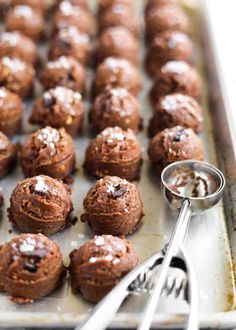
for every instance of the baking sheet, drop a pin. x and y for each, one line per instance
(207, 243)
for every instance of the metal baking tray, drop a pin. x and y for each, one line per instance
(211, 243)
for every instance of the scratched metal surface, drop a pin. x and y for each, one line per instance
(207, 243)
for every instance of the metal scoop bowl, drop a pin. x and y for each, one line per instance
(192, 187)
(200, 183)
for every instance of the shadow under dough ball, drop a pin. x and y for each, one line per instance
(70, 42)
(168, 46)
(99, 264)
(176, 77)
(40, 205)
(113, 206)
(173, 110)
(15, 44)
(64, 71)
(8, 155)
(175, 144)
(116, 42)
(114, 72)
(3, 8)
(10, 112)
(31, 267)
(17, 76)
(48, 151)
(59, 107)
(115, 107)
(69, 15)
(114, 152)
(26, 20)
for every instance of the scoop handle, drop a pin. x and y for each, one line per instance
(172, 250)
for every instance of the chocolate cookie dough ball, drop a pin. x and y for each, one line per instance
(31, 267)
(118, 15)
(59, 107)
(99, 264)
(168, 17)
(15, 44)
(17, 76)
(113, 206)
(115, 72)
(116, 42)
(7, 155)
(176, 77)
(176, 109)
(114, 152)
(115, 107)
(40, 205)
(68, 15)
(167, 46)
(48, 151)
(65, 71)
(70, 42)
(10, 111)
(26, 20)
(174, 144)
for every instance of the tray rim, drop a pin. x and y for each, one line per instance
(130, 320)
(221, 320)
